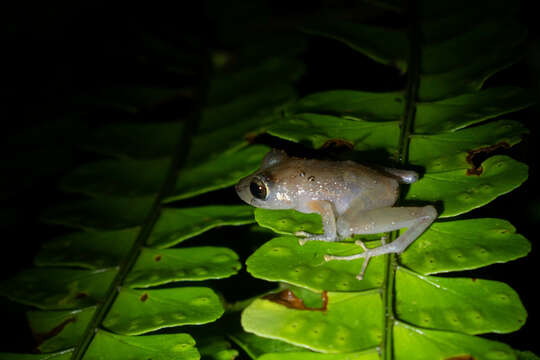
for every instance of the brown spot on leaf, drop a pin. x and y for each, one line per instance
(81, 295)
(144, 297)
(477, 156)
(158, 258)
(288, 299)
(250, 137)
(41, 337)
(473, 279)
(337, 143)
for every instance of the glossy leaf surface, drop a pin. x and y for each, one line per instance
(461, 192)
(319, 130)
(455, 150)
(140, 311)
(473, 306)
(455, 113)
(256, 346)
(369, 106)
(107, 345)
(156, 267)
(445, 345)
(320, 330)
(284, 259)
(289, 221)
(464, 244)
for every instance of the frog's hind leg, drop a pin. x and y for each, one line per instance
(415, 219)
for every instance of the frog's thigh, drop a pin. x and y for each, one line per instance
(380, 220)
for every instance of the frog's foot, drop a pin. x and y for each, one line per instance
(366, 255)
(310, 236)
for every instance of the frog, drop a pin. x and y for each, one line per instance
(351, 198)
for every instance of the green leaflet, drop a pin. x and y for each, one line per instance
(468, 78)
(319, 130)
(472, 306)
(321, 330)
(140, 311)
(444, 345)
(56, 288)
(455, 113)
(476, 43)
(222, 171)
(88, 249)
(289, 221)
(156, 267)
(177, 225)
(526, 355)
(57, 330)
(369, 106)
(444, 75)
(283, 259)
(464, 244)
(128, 177)
(452, 150)
(215, 347)
(445, 246)
(461, 192)
(107, 345)
(256, 346)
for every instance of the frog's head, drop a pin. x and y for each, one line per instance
(264, 189)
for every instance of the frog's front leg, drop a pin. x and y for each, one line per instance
(326, 210)
(415, 219)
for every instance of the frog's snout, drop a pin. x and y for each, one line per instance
(240, 189)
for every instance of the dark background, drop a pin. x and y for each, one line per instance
(52, 50)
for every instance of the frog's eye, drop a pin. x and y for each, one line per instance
(258, 189)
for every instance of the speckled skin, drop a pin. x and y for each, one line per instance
(295, 183)
(351, 199)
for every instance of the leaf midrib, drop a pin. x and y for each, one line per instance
(413, 82)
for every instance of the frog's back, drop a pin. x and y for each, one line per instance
(344, 182)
